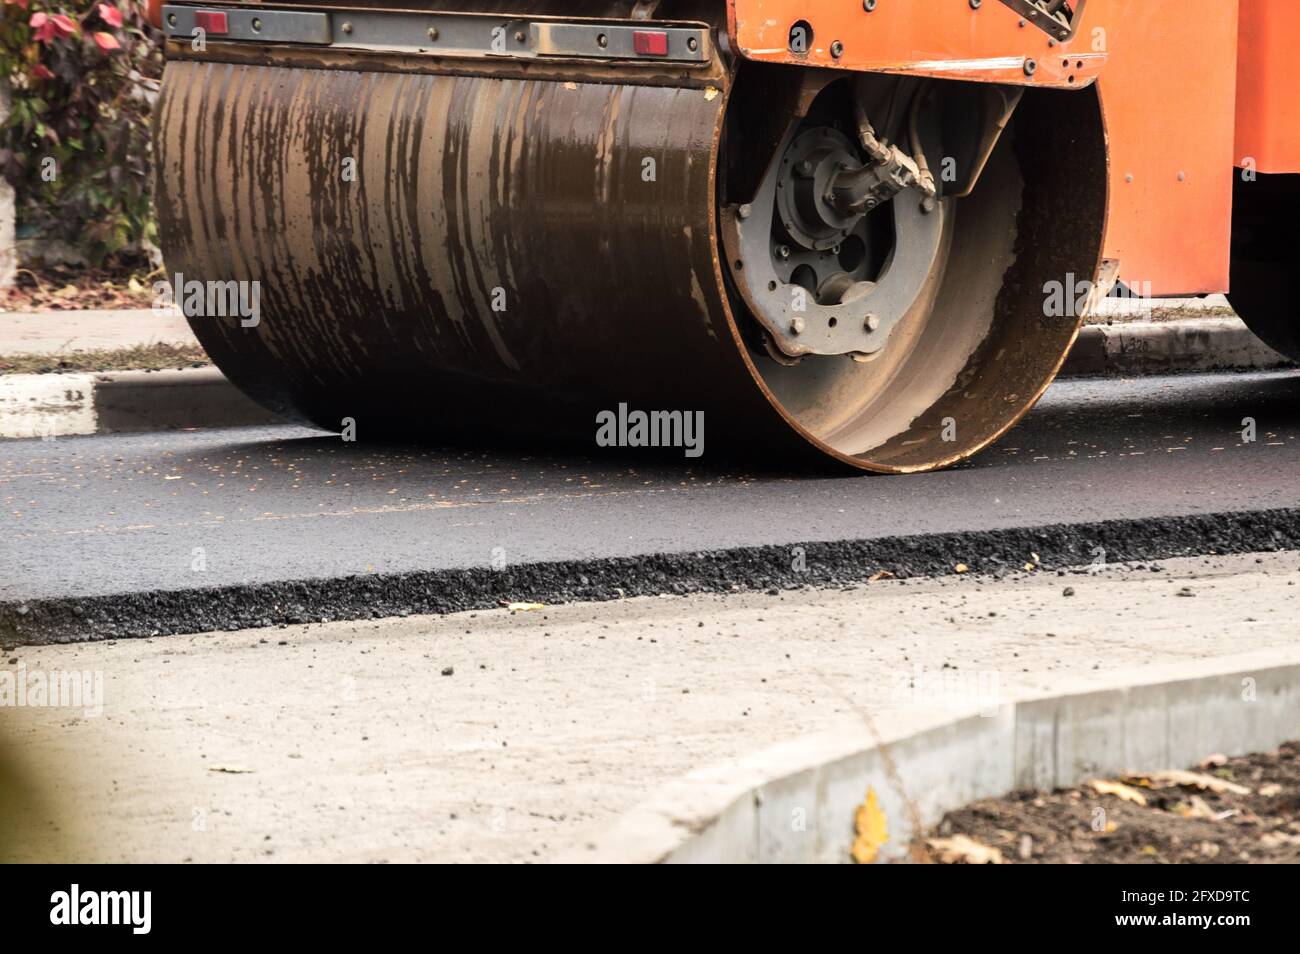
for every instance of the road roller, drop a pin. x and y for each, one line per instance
(828, 229)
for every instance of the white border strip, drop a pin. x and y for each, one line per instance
(751, 810)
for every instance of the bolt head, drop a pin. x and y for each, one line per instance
(871, 323)
(433, 33)
(745, 211)
(796, 326)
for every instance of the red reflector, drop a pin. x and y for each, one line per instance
(649, 43)
(211, 21)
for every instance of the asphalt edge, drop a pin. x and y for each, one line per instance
(774, 568)
(795, 802)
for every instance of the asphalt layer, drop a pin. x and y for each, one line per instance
(107, 537)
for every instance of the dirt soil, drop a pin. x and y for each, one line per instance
(1161, 315)
(1179, 824)
(159, 356)
(67, 289)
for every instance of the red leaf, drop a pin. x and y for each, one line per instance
(110, 14)
(106, 41)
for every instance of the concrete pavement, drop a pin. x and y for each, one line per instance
(500, 736)
(53, 332)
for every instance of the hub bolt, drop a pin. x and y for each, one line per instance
(745, 211)
(871, 323)
(796, 326)
(783, 251)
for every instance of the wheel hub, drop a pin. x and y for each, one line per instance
(818, 278)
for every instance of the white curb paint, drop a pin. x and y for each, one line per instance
(51, 406)
(752, 810)
(1153, 347)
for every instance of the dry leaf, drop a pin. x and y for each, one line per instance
(1180, 778)
(880, 575)
(960, 850)
(960, 568)
(1214, 761)
(871, 827)
(1270, 790)
(1196, 807)
(515, 607)
(1119, 790)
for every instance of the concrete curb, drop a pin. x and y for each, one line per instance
(795, 802)
(37, 405)
(1153, 347)
(61, 405)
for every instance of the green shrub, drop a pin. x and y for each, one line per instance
(83, 78)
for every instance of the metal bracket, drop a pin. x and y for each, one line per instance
(1059, 19)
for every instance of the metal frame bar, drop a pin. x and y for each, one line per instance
(470, 35)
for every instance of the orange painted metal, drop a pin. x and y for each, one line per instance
(153, 12)
(1268, 78)
(1166, 73)
(943, 38)
(1168, 94)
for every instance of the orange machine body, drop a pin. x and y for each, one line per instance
(1189, 90)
